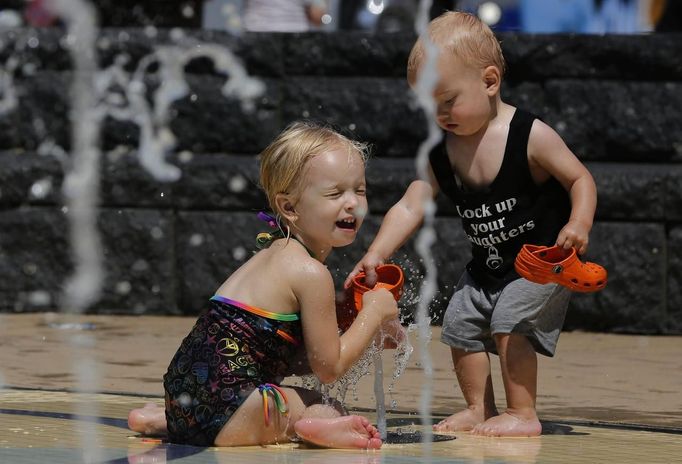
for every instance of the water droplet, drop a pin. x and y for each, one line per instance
(188, 11)
(156, 233)
(177, 34)
(239, 253)
(39, 298)
(30, 269)
(237, 183)
(185, 156)
(28, 69)
(185, 400)
(140, 265)
(196, 239)
(123, 287)
(41, 188)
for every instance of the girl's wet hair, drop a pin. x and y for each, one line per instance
(283, 162)
(463, 35)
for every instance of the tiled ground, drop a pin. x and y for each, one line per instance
(604, 398)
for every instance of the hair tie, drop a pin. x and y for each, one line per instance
(265, 239)
(263, 216)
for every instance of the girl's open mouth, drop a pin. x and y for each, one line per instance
(347, 224)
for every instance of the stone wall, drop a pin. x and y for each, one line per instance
(616, 100)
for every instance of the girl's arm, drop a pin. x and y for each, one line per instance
(329, 354)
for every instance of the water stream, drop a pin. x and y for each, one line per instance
(427, 236)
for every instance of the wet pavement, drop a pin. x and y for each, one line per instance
(69, 382)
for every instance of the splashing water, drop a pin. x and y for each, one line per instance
(379, 377)
(156, 139)
(80, 188)
(8, 94)
(424, 87)
(82, 181)
(338, 390)
(94, 98)
(379, 392)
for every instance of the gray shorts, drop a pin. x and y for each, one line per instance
(475, 315)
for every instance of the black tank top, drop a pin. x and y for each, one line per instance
(511, 211)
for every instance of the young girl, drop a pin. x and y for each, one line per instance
(222, 386)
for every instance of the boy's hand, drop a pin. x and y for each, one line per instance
(574, 234)
(367, 265)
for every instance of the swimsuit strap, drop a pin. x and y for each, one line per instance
(265, 239)
(280, 400)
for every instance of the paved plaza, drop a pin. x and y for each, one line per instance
(68, 383)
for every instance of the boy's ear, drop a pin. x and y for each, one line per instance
(492, 79)
(285, 207)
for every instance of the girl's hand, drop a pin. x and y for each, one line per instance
(367, 265)
(382, 301)
(574, 234)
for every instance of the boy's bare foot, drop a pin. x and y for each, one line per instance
(148, 420)
(463, 421)
(508, 425)
(339, 432)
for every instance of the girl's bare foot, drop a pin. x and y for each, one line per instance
(509, 425)
(463, 421)
(148, 420)
(339, 432)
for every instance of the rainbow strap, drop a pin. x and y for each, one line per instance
(280, 400)
(257, 311)
(263, 313)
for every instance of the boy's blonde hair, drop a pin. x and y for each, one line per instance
(465, 36)
(283, 162)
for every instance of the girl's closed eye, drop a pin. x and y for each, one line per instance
(333, 194)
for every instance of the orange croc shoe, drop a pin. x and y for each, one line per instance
(543, 265)
(389, 276)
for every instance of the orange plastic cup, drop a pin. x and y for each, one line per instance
(389, 276)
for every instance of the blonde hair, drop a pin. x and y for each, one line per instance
(463, 35)
(283, 162)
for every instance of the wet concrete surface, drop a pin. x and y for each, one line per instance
(594, 378)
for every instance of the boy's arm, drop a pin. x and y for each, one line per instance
(548, 153)
(398, 225)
